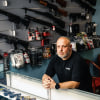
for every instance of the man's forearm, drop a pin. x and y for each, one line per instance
(63, 85)
(69, 84)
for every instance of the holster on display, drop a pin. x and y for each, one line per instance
(17, 59)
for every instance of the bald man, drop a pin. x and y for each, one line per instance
(71, 69)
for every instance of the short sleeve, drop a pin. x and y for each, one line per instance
(50, 69)
(77, 69)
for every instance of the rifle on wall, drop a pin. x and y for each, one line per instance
(14, 40)
(54, 7)
(48, 15)
(92, 2)
(62, 3)
(14, 18)
(57, 29)
(85, 6)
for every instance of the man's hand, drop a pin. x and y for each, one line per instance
(52, 84)
(48, 82)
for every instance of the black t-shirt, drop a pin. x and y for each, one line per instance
(73, 69)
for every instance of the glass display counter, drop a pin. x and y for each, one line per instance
(21, 86)
(9, 93)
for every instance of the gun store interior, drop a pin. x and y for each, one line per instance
(30, 31)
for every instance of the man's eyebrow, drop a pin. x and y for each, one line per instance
(64, 45)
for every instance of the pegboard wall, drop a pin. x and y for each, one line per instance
(71, 13)
(19, 25)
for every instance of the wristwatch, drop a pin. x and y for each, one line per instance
(57, 86)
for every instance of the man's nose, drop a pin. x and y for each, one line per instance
(61, 48)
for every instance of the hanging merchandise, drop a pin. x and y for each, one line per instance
(1, 70)
(38, 35)
(45, 34)
(1, 64)
(35, 55)
(90, 44)
(96, 41)
(26, 57)
(94, 28)
(80, 40)
(70, 29)
(6, 61)
(45, 40)
(17, 59)
(42, 42)
(74, 29)
(39, 56)
(53, 28)
(31, 35)
(46, 52)
(13, 30)
(90, 28)
(53, 48)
